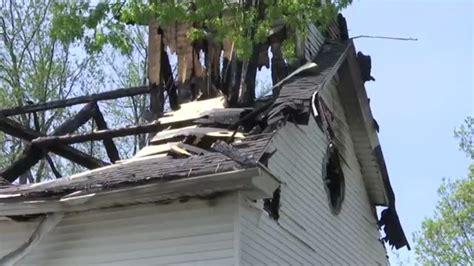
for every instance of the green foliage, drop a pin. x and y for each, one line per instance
(448, 237)
(465, 134)
(104, 23)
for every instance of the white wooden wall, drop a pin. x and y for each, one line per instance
(307, 233)
(198, 232)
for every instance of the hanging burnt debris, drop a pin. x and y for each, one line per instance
(365, 65)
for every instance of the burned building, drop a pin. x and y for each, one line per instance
(226, 179)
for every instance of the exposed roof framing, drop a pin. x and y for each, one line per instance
(203, 139)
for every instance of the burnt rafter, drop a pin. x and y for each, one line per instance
(31, 155)
(17, 130)
(108, 95)
(109, 144)
(51, 141)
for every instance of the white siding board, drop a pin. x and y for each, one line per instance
(271, 227)
(316, 191)
(249, 259)
(281, 248)
(311, 170)
(295, 251)
(197, 232)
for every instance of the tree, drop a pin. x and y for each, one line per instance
(132, 71)
(246, 24)
(465, 134)
(448, 237)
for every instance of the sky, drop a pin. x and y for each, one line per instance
(423, 90)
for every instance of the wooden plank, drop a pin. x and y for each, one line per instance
(168, 79)
(109, 144)
(31, 155)
(251, 115)
(249, 75)
(192, 148)
(52, 166)
(224, 117)
(193, 110)
(233, 153)
(50, 141)
(115, 94)
(28, 158)
(213, 57)
(77, 121)
(279, 66)
(167, 135)
(154, 69)
(153, 150)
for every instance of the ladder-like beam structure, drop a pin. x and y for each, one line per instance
(32, 154)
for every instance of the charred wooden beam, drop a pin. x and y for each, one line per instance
(248, 117)
(52, 166)
(192, 148)
(109, 95)
(233, 153)
(168, 79)
(191, 74)
(155, 41)
(251, 115)
(28, 158)
(228, 57)
(51, 141)
(45, 153)
(15, 129)
(279, 66)
(247, 91)
(70, 125)
(109, 144)
(212, 62)
(31, 155)
(235, 73)
(198, 78)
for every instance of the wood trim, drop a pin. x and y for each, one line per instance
(255, 183)
(108, 95)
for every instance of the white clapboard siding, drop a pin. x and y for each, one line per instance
(197, 232)
(307, 233)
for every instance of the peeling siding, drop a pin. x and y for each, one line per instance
(198, 231)
(307, 232)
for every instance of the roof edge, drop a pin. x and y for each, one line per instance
(256, 183)
(392, 226)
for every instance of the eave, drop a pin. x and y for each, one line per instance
(256, 183)
(361, 121)
(367, 146)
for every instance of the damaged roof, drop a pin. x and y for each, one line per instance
(208, 139)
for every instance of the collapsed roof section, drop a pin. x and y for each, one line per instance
(205, 147)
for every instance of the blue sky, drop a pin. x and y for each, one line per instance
(423, 90)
